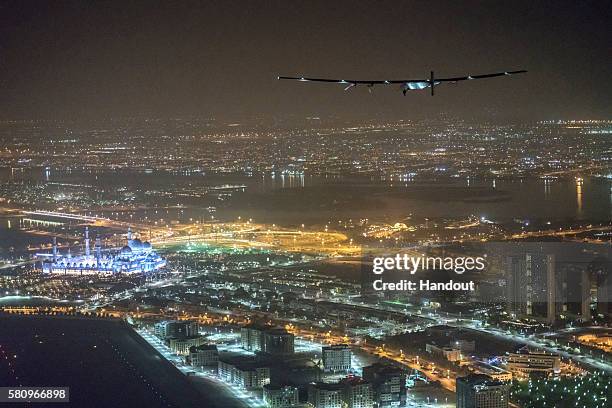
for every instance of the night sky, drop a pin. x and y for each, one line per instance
(79, 59)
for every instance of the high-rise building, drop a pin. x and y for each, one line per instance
(280, 396)
(602, 275)
(388, 383)
(251, 337)
(479, 391)
(336, 358)
(278, 341)
(529, 276)
(557, 281)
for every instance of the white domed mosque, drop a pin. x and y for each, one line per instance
(136, 257)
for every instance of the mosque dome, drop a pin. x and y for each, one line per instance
(135, 244)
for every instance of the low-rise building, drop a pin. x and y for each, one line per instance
(177, 329)
(358, 393)
(323, 395)
(182, 345)
(493, 372)
(277, 396)
(244, 372)
(205, 355)
(450, 353)
(526, 362)
(295, 371)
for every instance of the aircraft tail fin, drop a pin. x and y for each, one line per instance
(431, 82)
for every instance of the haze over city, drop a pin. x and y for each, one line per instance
(179, 228)
(72, 60)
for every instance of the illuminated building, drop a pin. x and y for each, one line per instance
(531, 281)
(176, 329)
(266, 339)
(204, 355)
(323, 395)
(449, 353)
(182, 346)
(478, 391)
(277, 396)
(247, 373)
(557, 281)
(336, 358)
(358, 393)
(493, 372)
(526, 362)
(136, 257)
(251, 337)
(388, 383)
(278, 341)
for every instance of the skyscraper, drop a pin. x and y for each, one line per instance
(556, 281)
(531, 283)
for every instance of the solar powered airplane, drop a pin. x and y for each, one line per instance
(405, 84)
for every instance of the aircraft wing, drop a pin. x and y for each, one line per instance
(406, 84)
(482, 76)
(353, 81)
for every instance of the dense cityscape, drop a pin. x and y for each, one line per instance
(400, 151)
(280, 311)
(373, 204)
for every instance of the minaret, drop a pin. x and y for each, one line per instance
(98, 251)
(98, 248)
(54, 249)
(86, 241)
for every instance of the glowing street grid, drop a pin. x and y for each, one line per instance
(230, 342)
(249, 398)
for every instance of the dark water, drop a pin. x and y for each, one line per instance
(303, 199)
(104, 363)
